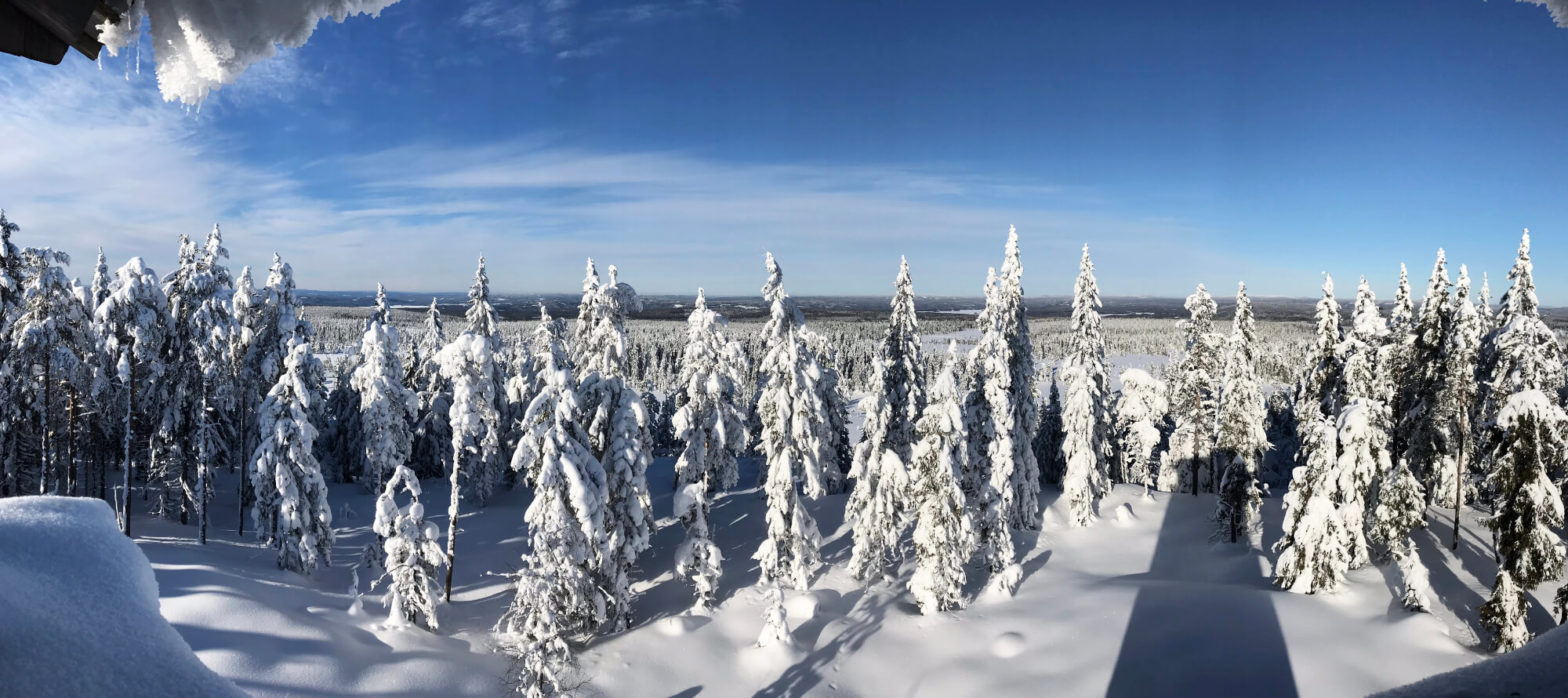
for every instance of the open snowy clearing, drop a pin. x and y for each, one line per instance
(1140, 603)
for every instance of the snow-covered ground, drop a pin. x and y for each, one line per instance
(1140, 603)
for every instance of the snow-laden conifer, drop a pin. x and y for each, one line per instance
(1419, 411)
(1140, 410)
(468, 365)
(1456, 402)
(413, 553)
(559, 600)
(286, 474)
(133, 323)
(1194, 389)
(879, 506)
(1048, 438)
(386, 407)
(617, 426)
(1313, 555)
(1242, 437)
(1009, 391)
(792, 416)
(1084, 484)
(837, 452)
(430, 452)
(1528, 509)
(943, 536)
(1086, 349)
(712, 430)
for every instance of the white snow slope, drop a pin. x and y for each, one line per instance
(1140, 603)
(79, 609)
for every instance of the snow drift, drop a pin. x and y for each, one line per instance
(80, 612)
(201, 45)
(1537, 669)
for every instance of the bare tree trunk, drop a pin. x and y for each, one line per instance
(451, 524)
(72, 487)
(244, 457)
(1459, 480)
(130, 420)
(46, 439)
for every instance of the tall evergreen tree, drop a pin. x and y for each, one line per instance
(878, 506)
(1313, 553)
(712, 429)
(618, 436)
(1419, 408)
(1242, 438)
(1084, 483)
(412, 552)
(792, 416)
(1140, 410)
(1048, 438)
(1086, 348)
(1194, 396)
(431, 450)
(1528, 509)
(386, 407)
(1009, 391)
(837, 452)
(1457, 400)
(943, 536)
(287, 476)
(469, 366)
(133, 323)
(48, 354)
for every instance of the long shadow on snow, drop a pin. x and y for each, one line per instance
(1229, 637)
(864, 621)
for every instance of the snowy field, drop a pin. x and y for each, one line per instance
(1140, 603)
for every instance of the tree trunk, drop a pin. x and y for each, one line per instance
(244, 457)
(451, 524)
(46, 439)
(130, 412)
(72, 487)
(1459, 479)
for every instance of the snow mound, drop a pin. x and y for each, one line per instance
(80, 614)
(201, 45)
(1008, 645)
(1124, 515)
(1537, 669)
(676, 626)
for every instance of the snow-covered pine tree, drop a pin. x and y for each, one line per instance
(712, 429)
(879, 506)
(1242, 438)
(1401, 509)
(431, 450)
(1194, 397)
(412, 552)
(1363, 456)
(1456, 402)
(1140, 410)
(1084, 483)
(559, 599)
(133, 324)
(1313, 555)
(837, 453)
(1521, 354)
(1319, 391)
(49, 344)
(793, 419)
(1366, 456)
(1086, 348)
(247, 310)
(943, 537)
(585, 323)
(1048, 438)
(482, 318)
(977, 420)
(1419, 415)
(1483, 307)
(469, 366)
(1528, 509)
(287, 476)
(1009, 391)
(386, 408)
(341, 446)
(617, 426)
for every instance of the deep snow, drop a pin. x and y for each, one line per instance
(1139, 603)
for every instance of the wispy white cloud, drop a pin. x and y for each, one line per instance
(93, 159)
(569, 30)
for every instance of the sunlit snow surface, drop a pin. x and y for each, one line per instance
(1139, 603)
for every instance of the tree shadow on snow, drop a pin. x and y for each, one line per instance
(863, 621)
(1192, 635)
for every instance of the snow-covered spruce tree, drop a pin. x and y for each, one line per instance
(1009, 391)
(1086, 349)
(1401, 509)
(286, 473)
(878, 506)
(793, 419)
(386, 408)
(1483, 307)
(712, 429)
(412, 552)
(1084, 483)
(1528, 509)
(943, 537)
(1521, 354)
(1194, 398)
(978, 429)
(1313, 555)
(584, 326)
(1419, 415)
(247, 310)
(1319, 391)
(1242, 438)
(1362, 352)
(1140, 410)
(133, 324)
(1363, 457)
(469, 366)
(1457, 401)
(617, 427)
(48, 348)
(341, 446)
(837, 453)
(1048, 437)
(482, 318)
(431, 449)
(559, 599)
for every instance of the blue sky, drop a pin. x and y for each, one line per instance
(1185, 142)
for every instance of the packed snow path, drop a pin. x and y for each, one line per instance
(1138, 603)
